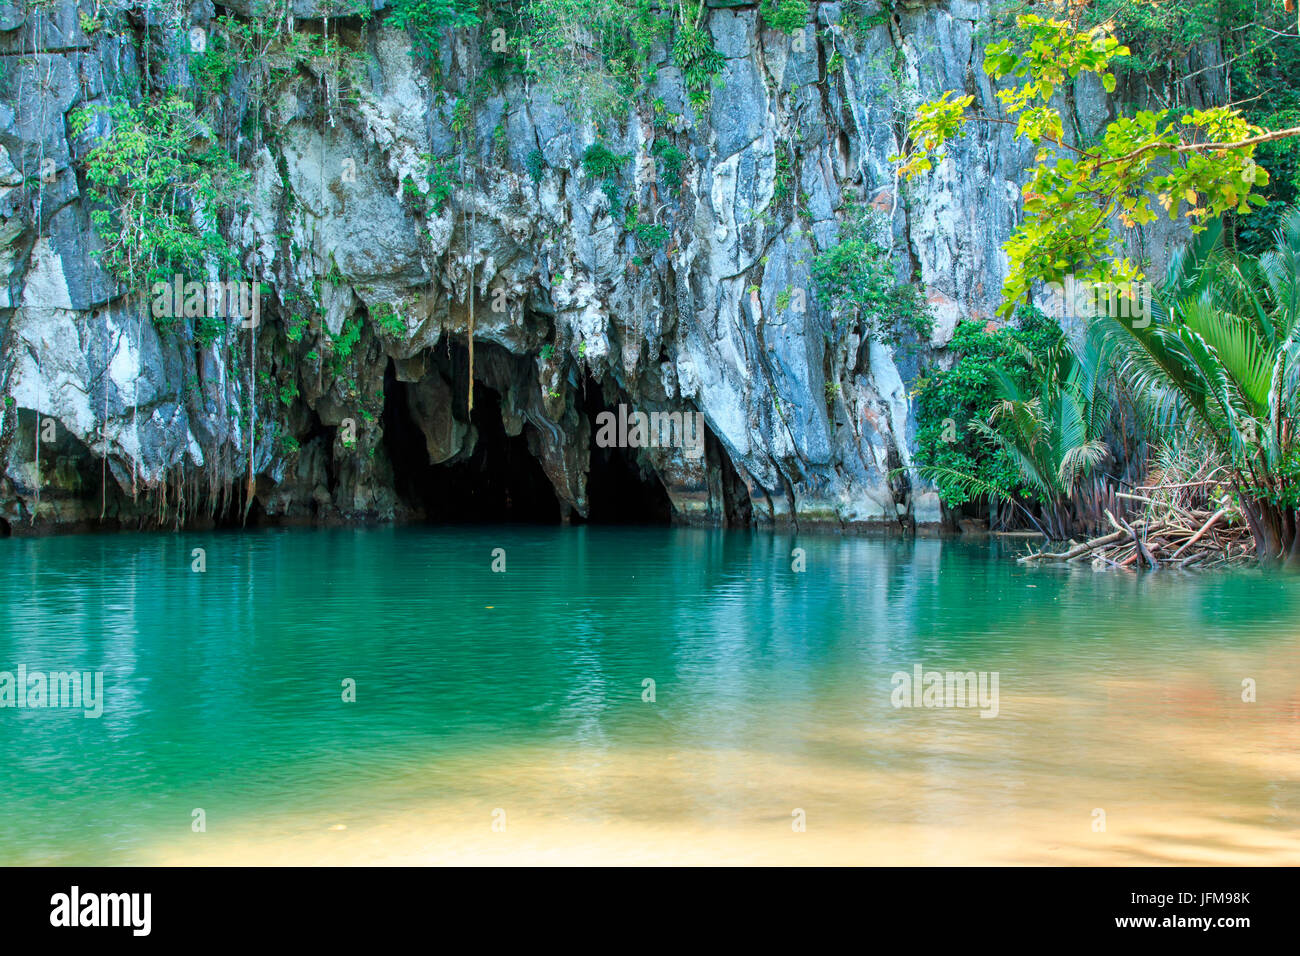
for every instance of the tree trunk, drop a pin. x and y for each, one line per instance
(1274, 530)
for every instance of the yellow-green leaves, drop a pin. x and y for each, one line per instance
(1196, 165)
(935, 123)
(1052, 54)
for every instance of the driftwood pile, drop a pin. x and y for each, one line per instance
(1173, 532)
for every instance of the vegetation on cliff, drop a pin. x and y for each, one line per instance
(1214, 361)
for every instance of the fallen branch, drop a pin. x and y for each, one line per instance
(1075, 551)
(1204, 528)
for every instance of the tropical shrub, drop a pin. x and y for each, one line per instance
(1020, 417)
(788, 16)
(161, 181)
(1220, 357)
(1052, 432)
(426, 20)
(947, 400)
(856, 280)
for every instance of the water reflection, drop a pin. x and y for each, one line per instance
(772, 692)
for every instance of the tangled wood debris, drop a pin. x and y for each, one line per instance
(1176, 530)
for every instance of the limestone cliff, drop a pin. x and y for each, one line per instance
(350, 398)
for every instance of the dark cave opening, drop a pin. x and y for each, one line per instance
(500, 481)
(619, 490)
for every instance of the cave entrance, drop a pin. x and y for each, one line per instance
(619, 490)
(500, 481)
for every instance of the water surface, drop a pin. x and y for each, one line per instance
(518, 698)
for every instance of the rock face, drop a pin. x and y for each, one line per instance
(350, 399)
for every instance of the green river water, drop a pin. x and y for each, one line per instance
(504, 716)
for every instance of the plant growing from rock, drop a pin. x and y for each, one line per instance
(669, 161)
(602, 164)
(788, 16)
(694, 53)
(428, 20)
(858, 283)
(591, 55)
(161, 181)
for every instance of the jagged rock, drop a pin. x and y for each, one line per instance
(431, 406)
(705, 304)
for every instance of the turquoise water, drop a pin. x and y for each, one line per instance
(223, 690)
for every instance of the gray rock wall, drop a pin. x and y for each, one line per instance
(569, 307)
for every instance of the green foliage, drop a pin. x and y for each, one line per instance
(858, 17)
(267, 51)
(160, 180)
(534, 164)
(695, 55)
(669, 161)
(788, 16)
(1053, 431)
(592, 55)
(1167, 40)
(441, 184)
(1221, 358)
(295, 327)
(501, 142)
(389, 319)
(342, 346)
(432, 185)
(601, 163)
(213, 68)
(949, 449)
(207, 328)
(428, 20)
(288, 393)
(1281, 159)
(783, 177)
(654, 235)
(856, 281)
(1192, 162)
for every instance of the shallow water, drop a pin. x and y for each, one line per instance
(516, 699)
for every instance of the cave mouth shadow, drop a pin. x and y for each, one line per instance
(500, 482)
(619, 490)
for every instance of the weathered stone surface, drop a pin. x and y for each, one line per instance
(369, 289)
